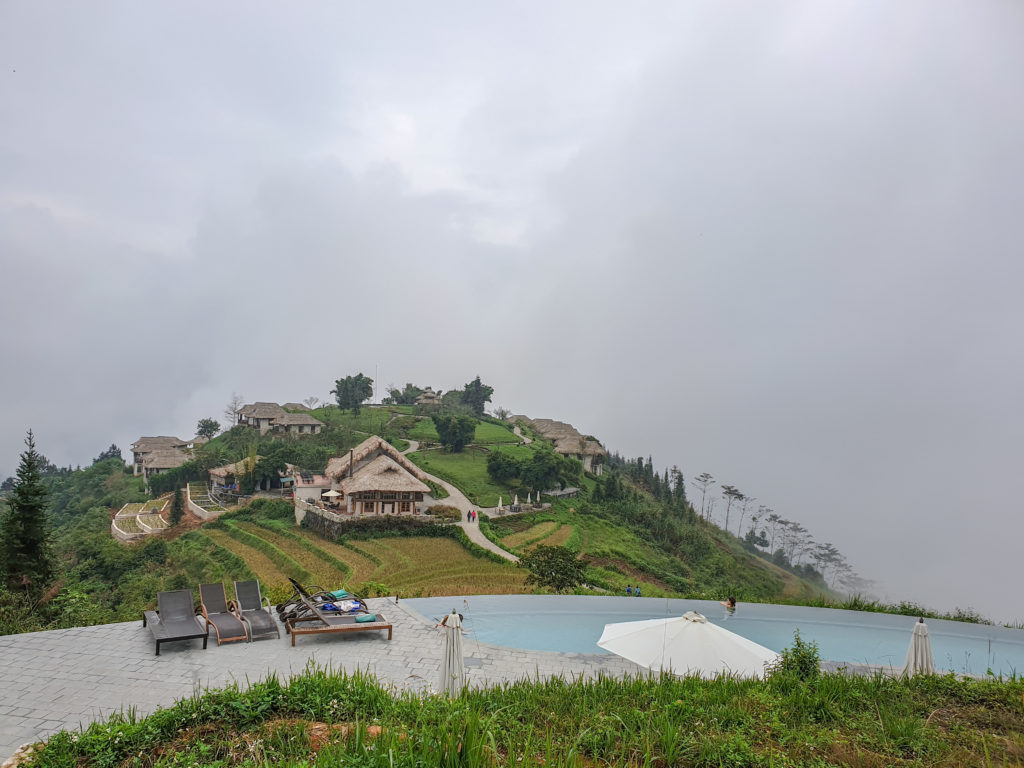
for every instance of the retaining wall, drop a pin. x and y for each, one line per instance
(330, 525)
(123, 535)
(202, 514)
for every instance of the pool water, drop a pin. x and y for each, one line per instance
(573, 624)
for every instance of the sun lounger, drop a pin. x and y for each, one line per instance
(318, 621)
(254, 609)
(175, 619)
(320, 624)
(304, 597)
(214, 604)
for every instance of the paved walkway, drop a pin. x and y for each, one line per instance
(67, 678)
(458, 499)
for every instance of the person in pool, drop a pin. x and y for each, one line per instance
(730, 604)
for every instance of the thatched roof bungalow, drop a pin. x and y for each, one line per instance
(146, 446)
(568, 441)
(297, 424)
(375, 478)
(161, 460)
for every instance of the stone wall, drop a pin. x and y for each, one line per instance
(123, 535)
(331, 526)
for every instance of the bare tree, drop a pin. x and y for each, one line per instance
(502, 413)
(311, 402)
(774, 521)
(703, 481)
(747, 501)
(711, 507)
(232, 408)
(731, 494)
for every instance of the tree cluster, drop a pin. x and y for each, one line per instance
(405, 396)
(454, 430)
(786, 542)
(542, 471)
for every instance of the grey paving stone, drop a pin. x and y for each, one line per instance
(112, 668)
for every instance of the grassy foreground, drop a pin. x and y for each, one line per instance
(320, 718)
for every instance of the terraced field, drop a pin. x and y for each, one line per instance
(264, 568)
(321, 570)
(415, 566)
(532, 535)
(557, 538)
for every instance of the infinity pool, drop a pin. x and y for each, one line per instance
(573, 624)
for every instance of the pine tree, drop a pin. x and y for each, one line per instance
(26, 558)
(177, 507)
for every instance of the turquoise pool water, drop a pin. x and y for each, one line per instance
(573, 624)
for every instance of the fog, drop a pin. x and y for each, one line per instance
(775, 242)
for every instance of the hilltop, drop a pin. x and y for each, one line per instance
(623, 522)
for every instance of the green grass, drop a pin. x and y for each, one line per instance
(325, 718)
(491, 434)
(423, 431)
(615, 555)
(467, 471)
(485, 434)
(370, 420)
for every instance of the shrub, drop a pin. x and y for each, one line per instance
(801, 661)
(445, 512)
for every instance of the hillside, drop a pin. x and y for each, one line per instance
(620, 530)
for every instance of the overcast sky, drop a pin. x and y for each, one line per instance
(776, 242)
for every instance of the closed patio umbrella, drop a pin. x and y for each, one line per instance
(919, 656)
(687, 645)
(453, 669)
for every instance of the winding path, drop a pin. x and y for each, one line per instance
(458, 499)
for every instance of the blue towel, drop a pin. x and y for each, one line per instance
(365, 618)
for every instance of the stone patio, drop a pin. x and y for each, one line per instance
(67, 678)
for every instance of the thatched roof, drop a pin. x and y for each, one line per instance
(261, 411)
(567, 439)
(295, 407)
(148, 444)
(428, 397)
(337, 468)
(294, 419)
(238, 468)
(383, 474)
(164, 459)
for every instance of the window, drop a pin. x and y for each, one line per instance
(405, 507)
(369, 507)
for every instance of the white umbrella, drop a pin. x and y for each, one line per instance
(528, 494)
(453, 669)
(499, 502)
(515, 501)
(919, 655)
(331, 494)
(687, 645)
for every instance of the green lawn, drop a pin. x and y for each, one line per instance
(468, 472)
(486, 433)
(489, 434)
(370, 420)
(423, 431)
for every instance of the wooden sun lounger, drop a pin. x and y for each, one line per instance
(323, 623)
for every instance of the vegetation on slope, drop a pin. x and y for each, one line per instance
(320, 718)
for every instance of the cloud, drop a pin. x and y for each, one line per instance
(778, 245)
